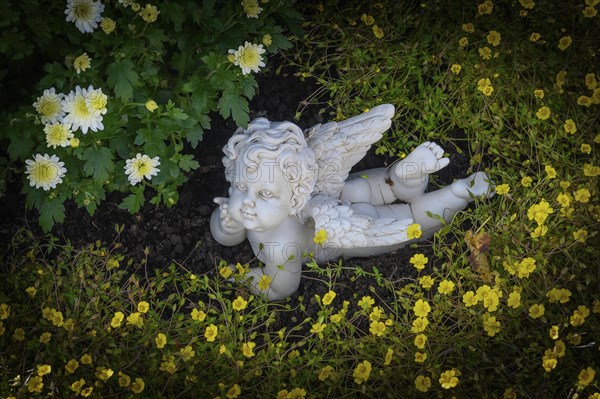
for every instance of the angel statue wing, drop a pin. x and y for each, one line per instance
(346, 229)
(338, 146)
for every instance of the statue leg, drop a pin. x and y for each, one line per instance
(447, 201)
(411, 175)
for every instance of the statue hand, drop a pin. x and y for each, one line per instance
(229, 225)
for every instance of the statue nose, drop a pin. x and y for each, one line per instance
(248, 201)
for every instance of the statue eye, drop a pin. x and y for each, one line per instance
(241, 186)
(266, 194)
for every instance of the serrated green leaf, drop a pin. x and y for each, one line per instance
(175, 13)
(99, 163)
(122, 77)
(156, 37)
(194, 136)
(52, 211)
(187, 163)
(236, 106)
(134, 201)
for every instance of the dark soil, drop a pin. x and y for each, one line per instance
(181, 234)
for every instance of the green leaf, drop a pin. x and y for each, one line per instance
(187, 163)
(122, 78)
(133, 202)
(236, 106)
(194, 136)
(175, 13)
(99, 163)
(52, 211)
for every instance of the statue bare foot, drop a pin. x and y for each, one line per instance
(476, 185)
(427, 158)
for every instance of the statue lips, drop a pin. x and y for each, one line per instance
(248, 215)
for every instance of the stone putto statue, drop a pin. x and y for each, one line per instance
(292, 196)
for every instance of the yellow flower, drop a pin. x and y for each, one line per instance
(264, 282)
(19, 334)
(550, 172)
(414, 231)
(362, 372)
(468, 27)
(4, 311)
(534, 37)
(539, 93)
(485, 53)
(420, 341)
(117, 319)
(494, 38)
(514, 299)
(151, 105)
(445, 287)
(86, 359)
(491, 325)
(388, 357)
(553, 332)
(419, 325)
(198, 315)
(426, 281)
(564, 184)
(486, 7)
(589, 12)
(35, 384)
(366, 302)
(320, 237)
(586, 148)
(211, 333)
(77, 385)
(239, 304)
(318, 329)
(248, 349)
(138, 385)
(463, 42)
(564, 42)
(104, 373)
(377, 328)
(328, 298)
(422, 383)
(234, 392)
(31, 291)
(455, 69)
(74, 142)
(539, 231)
(539, 212)
(168, 365)
(590, 81)
(528, 4)
(43, 369)
(582, 195)
(108, 25)
(502, 189)
(135, 319)
(161, 340)
(225, 272)
(336, 318)
(526, 181)
(420, 357)
(586, 376)
(149, 13)
(470, 299)
(580, 235)
(296, 393)
(87, 392)
(82, 63)
(325, 373)
(124, 379)
(45, 337)
(419, 261)
(585, 101)
(267, 40)
(377, 31)
(570, 126)
(187, 353)
(549, 364)
(526, 267)
(421, 308)
(448, 379)
(543, 113)
(367, 19)
(536, 311)
(591, 170)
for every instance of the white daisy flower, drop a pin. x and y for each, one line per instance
(79, 114)
(49, 106)
(45, 171)
(96, 100)
(248, 57)
(85, 14)
(141, 166)
(58, 134)
(82, 63)
(251, 8)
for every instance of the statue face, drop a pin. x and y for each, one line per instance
(260, 197)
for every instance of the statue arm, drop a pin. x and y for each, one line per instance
(226, 235)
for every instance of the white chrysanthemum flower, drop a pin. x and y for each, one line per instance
(82, 63)
(96, 100)
(86, 14)
(45, 171)
(79, 114)
(141, 166)
(58, 134)
(248, 57)
(49, 106)
(251, 8)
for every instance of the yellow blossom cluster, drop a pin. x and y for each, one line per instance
(484, 85)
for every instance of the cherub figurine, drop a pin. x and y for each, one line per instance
(290, 189)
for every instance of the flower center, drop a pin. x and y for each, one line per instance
(49, 107)
(58, 133)
(98, 101)
(81, 107)
(83, 10)
(249, 57)
(45, 172)
(142, 167)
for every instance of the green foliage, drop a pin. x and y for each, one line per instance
(179, 61)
